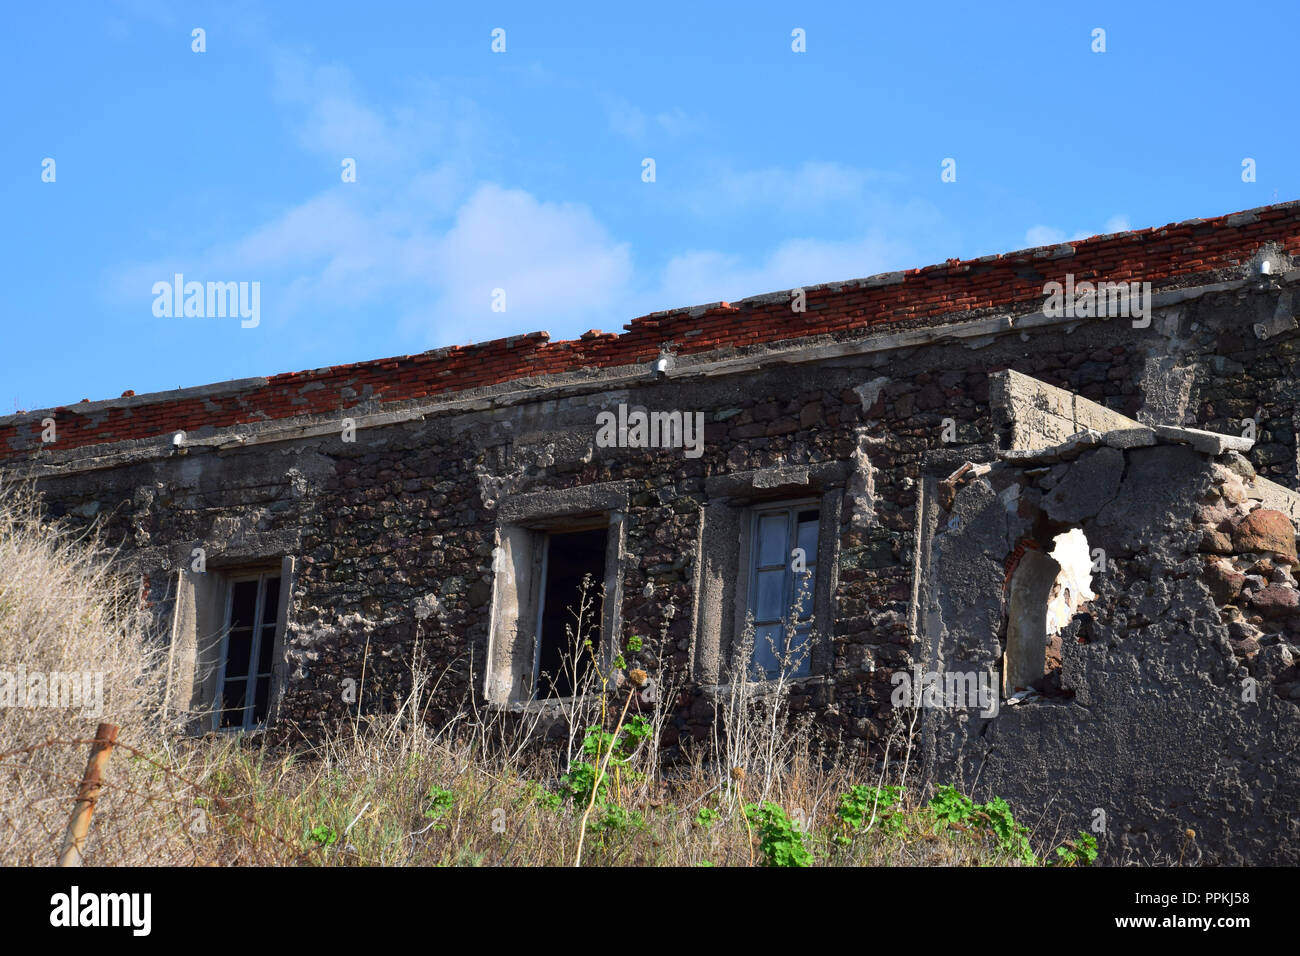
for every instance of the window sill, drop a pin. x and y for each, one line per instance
(546, 706)
(768, 688)
(215, 732)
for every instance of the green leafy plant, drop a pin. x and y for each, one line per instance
(953, 808)
(1080, 852)
(539, 795)
(636, 730)
(949, 805)
(440, 802)
(779, 839)
(615, 819)
(610, 752)
(324, 835)
(706, 817)
(578, 783)
(1012, 837)
(601, 745)
(857, 806)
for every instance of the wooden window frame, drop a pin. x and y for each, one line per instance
(248, 723)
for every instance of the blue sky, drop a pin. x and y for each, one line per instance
(522, 170)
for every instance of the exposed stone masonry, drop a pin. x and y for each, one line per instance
(868, 404)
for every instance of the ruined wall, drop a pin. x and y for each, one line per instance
(393, 534)
(1171, 727)
(408, 510)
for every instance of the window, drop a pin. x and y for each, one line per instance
(228, 633)
(800, 501)
(561, 661)
(244, 681)
(546, 543)
(782, 585)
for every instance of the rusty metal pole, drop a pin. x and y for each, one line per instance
(87, 796)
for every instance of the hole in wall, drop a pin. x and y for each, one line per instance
(1044, 592)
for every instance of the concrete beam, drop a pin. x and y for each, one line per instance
(1033, 414)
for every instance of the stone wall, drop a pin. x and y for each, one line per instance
(392, 536)
(1173, 719)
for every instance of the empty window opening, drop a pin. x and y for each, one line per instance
(782, 583)
(247, 651)
(563, 660)
(1045, 592)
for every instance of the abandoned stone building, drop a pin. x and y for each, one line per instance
(998, 479)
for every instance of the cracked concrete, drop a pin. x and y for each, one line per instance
(1169, 712)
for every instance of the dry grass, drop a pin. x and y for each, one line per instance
(393, 790)
(65, 609)
(370, 800)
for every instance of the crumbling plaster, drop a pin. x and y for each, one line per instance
(1166, 720)
(396, 535)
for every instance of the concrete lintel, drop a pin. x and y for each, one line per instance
(1031, 414)
(745, 483)
(1212, 443)
(1122, 438)
(1209, 443)
(1070, 448)
(552, 503)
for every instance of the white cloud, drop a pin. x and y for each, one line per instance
(633, 123)
(423, 246)
(555, 262)
(331, 118)
(701, 276)
(810, 186)
(1043, 236)
(344, 251)
(625, 119)
(1049, 235)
